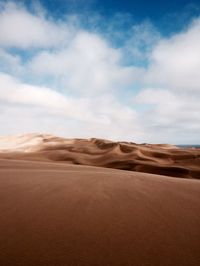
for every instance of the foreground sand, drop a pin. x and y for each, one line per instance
(157, 159)
(69, 215)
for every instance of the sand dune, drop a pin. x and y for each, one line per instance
(57, 214)
(54, 212)
(160, 159)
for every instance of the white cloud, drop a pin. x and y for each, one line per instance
(14, 92)
(173, 112)
(22, 29)
(103, 116)
(170, 115)
(176, 61)
(19, 119)
(87, 64)
(155, 96)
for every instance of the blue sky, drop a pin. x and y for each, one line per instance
(123, 70)
(140, 9)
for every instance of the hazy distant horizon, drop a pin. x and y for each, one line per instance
(180, 145)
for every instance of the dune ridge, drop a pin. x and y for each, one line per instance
(162, 159)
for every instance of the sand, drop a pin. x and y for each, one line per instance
(160, 159)
(59, 213)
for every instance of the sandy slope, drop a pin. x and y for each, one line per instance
(54, 214)
(158, 159)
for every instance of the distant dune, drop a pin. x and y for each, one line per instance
(162, 159)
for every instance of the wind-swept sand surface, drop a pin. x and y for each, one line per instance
(54, 212)
(160, 159)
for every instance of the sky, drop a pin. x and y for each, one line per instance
(120, 70)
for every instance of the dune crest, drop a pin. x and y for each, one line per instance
(160, 159)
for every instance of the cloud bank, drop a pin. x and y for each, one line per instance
(59, 77)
